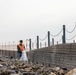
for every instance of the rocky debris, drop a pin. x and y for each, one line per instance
(72, 72)
(15, 67)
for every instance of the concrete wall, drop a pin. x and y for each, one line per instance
(63, 55)
(10, 53)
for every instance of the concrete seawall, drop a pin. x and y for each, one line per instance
(63, 55)
(10, 53)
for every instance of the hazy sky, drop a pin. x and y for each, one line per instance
(25, 19)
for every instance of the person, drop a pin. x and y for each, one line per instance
(21, 51)
(20, 48)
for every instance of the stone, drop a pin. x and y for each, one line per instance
(52, 73)
(72, 72)
(14, 74)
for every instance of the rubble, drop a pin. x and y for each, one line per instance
(15, 67)
(72, 72)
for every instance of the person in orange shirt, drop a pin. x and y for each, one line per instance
(20, 48)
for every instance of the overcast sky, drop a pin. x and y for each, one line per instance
(25, 19)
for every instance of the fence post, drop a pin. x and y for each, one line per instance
(5, 49)
(64, 41)
(37, 42)
(73, 41)
(48, 38)
(13, 45)
(9, 49)
(27, 45)
(2, 48)
(52, 41)
(40, 45)
(13, 50)
(45, 44)
(30, 44)
(57, 42)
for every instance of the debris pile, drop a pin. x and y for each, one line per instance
(15, 67)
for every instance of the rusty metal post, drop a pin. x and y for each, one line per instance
(48, 38)
(52, 41)
(37, 42)
(30, 44)
(64, 41)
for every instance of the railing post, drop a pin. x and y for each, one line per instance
(73, 41)
(2, 48)
(57, 42)
(40, 44)
(9, 49)
(52, 41)
(13, 50)
(30, 44)
(48, 38)
(27, 45)
(64, 41)
(45, 44)
(5, 49)
(13, 45)
(37, 42)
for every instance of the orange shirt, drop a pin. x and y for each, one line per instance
(21, 47)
